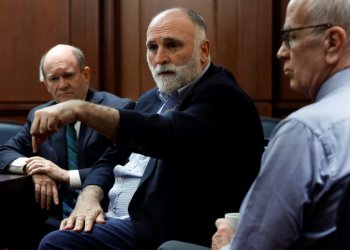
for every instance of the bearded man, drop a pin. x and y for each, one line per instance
(179, 132)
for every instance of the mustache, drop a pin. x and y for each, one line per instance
(161, 69)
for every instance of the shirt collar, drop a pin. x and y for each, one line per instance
(337, 81)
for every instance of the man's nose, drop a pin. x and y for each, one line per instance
(162, 56)
(62, 83)
(283, 52)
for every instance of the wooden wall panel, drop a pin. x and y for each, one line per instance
(245, 36)
(84, 33)
(26, 28)
(244, 45)
(130, 54)
(109, 73)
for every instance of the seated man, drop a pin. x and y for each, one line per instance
(293, 202)
(66, 77)
(179, 133)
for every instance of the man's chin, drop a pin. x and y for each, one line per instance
(296, 87)
(165, 86)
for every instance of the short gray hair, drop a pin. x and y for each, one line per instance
(336, 12)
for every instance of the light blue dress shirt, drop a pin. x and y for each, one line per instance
(127, 178)
(292, 203)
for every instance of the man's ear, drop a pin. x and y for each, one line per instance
(335, 44)
(87, 73)
(205, 47)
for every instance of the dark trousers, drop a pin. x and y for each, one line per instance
(115, 234)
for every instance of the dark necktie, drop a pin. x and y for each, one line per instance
(170, 103)
(71, 139)
(70, 197)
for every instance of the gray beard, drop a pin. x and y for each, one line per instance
(183, 74)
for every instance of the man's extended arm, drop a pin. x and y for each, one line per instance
(50, 119)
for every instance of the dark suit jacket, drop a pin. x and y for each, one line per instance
(94, 150)
(205, 155)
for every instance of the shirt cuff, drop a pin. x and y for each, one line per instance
(74, 179)
(16, 167)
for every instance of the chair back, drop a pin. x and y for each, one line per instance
(8, 130)
(268, 124)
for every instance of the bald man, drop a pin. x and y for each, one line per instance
(66, 77)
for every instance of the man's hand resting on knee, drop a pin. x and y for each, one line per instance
(87, 211)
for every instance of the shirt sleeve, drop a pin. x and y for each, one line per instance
(16, 167)
(74, 179)
(271, 215)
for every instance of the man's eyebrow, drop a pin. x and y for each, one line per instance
(171, 39)
(164, 39)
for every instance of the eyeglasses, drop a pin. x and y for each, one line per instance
(286, 37)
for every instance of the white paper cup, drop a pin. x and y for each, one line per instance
(232, 219)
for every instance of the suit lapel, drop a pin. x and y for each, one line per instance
(84, 135)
